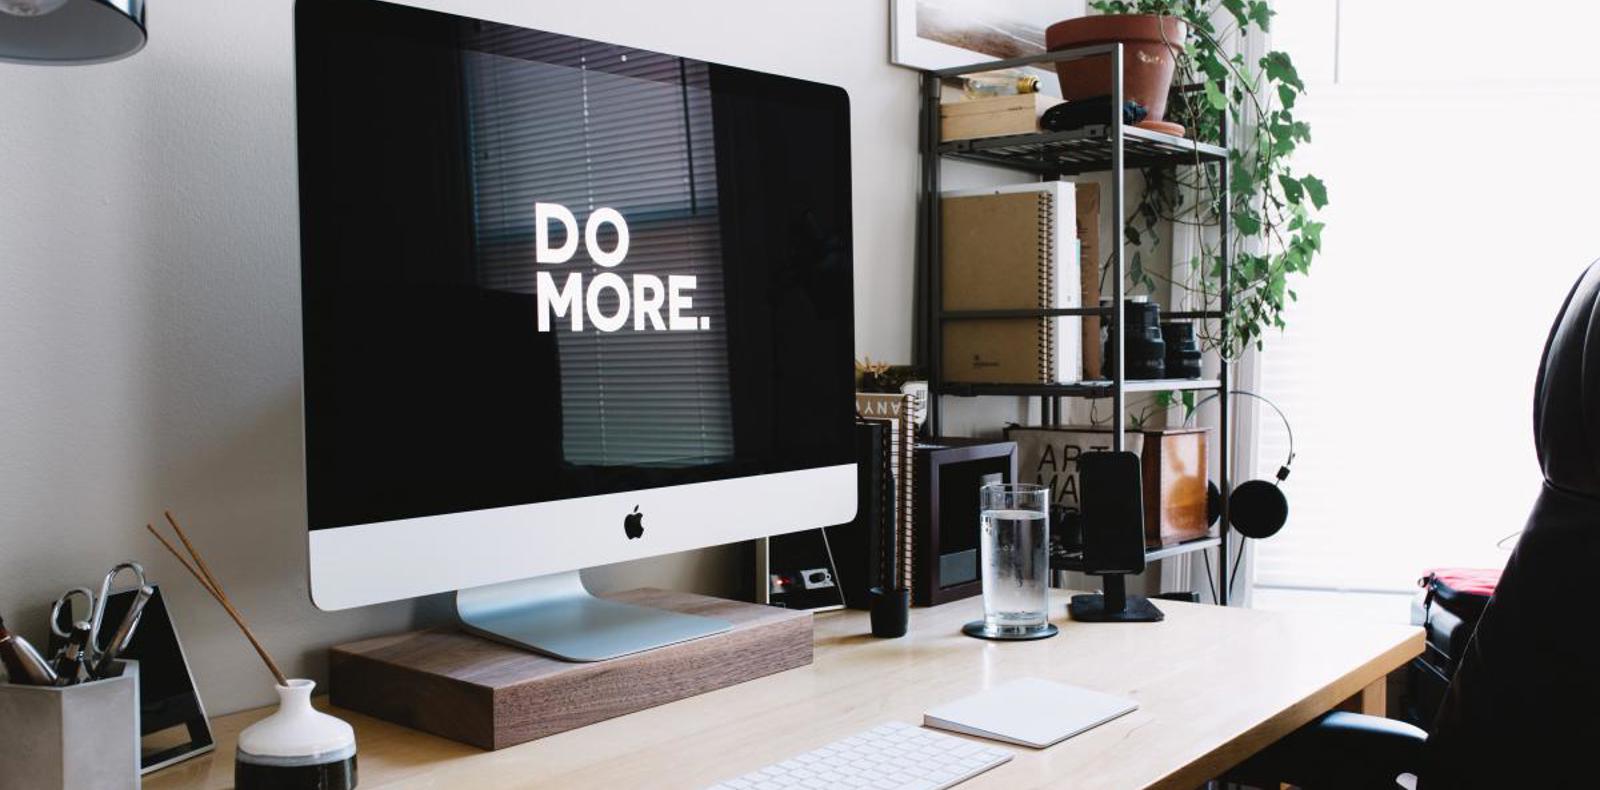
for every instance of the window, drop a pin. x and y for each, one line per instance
(1463, 205)
(634, 136)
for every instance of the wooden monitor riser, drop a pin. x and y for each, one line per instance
(470, 689)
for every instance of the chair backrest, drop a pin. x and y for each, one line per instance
(1524, 707)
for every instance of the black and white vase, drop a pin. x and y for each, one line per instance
(296, 748)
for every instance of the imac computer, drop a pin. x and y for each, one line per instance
(565, 303)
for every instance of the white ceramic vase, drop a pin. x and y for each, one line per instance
(297, 746)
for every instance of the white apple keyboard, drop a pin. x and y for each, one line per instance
(891, 756)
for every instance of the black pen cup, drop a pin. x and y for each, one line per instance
(891, 611)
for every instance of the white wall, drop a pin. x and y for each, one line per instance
(149, 316)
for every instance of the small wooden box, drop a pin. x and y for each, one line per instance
(1174, 472)
(994, 116)
(490, 695)
(1172, 467)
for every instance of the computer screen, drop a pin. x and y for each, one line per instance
(540, 268)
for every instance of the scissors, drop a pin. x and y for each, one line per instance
(96, 604)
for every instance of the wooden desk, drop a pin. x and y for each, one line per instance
(1214, 685)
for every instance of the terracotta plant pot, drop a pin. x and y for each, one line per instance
(1151, 44)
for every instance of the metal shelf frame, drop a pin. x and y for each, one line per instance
(1114, 148)
(1074, 562)
(1100, 388)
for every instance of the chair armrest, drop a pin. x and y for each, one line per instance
(1386, 740)
(1343, 750)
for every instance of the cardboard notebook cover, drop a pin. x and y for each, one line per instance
(470, 689)
(1011, 248)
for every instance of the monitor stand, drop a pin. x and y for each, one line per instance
(557, 616)
(1115, 606)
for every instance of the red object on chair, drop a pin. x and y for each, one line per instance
(1464, 591)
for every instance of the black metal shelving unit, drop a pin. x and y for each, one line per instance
(1112, 147)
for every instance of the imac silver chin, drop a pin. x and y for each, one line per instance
(557, 615)
(514, 569)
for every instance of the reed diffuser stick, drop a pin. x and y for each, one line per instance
(181, 561)
(209, 582)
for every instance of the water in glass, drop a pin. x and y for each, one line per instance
(1016, 568)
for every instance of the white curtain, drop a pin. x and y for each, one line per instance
(1198, 571)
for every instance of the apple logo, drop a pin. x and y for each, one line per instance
(633, 525)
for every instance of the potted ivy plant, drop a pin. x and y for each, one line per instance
(1271, 205)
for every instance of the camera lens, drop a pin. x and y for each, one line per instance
(1147, 352)
(1183, 350)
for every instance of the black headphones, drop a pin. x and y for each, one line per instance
(1256, 508)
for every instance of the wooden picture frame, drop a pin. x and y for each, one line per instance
(947, 533)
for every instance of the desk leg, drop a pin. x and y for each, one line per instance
(1372, 700)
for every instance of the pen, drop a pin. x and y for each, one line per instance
(124, 633)
(73, 654)
(24, 665)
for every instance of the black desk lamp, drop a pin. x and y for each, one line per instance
(70, 32)
(1113, 538)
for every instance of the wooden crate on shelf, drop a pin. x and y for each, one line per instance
(1172, 466)
(994, 116)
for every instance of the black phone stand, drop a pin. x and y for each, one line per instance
(1115, 606)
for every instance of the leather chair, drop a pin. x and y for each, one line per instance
(1523, 709)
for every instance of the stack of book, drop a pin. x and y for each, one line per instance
(895, 411)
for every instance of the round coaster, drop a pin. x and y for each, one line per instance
(981, 630)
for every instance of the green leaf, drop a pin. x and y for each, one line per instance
(1280, 69)
(1243, 181)
(1214, 96)
(1247, 223)
(1315, 189)
(1237, 9)
(1261, 14)
(1292, 191)
(1286, 96)
(1313, 234)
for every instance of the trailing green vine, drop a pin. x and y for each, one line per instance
(1272, 208)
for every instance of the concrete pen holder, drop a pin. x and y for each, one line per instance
(85, 735)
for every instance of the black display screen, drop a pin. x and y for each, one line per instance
(537, 267)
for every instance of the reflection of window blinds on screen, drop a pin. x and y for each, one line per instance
(641, 144)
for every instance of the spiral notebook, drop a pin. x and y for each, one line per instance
(1008, 248)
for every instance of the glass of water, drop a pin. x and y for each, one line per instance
(1014, 550)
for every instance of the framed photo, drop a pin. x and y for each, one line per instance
(936, 34)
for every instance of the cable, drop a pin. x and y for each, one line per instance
(1234, 576)
(1210, 581)
(1288, 429)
